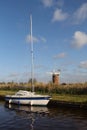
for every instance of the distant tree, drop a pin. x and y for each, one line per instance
(21, 83)
(2, 82)
(34, 81)
(63, 84)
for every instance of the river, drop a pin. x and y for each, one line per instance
(13, 117)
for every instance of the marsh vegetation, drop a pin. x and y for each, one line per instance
(76, 92)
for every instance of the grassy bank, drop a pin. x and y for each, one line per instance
(56, 97)
(70, 98)
(5, 92)
(63, 92)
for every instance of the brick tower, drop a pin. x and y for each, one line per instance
(55, 78)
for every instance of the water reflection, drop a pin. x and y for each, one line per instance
(55, 118)
(72, 112)
(29, 109)
(31, 113)
(47, 111)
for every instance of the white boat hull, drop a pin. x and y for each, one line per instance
(28, 102)
(27, 98)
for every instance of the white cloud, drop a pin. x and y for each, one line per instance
(59, 15)
(83, 64)
(43, 39)
(79, 39)
(81, 14)
(35, 39)
(59, 3)
(47, 3)
(28, 38)
(50, 3)
(14, 75)
(61, 55)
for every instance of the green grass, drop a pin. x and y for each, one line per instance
(5, 92)
(70, 98)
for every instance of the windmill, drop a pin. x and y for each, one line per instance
(55, 76)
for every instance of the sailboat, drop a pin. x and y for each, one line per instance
(28, 97)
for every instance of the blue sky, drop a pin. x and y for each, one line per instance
(59, 37)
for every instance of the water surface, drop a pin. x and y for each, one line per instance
(13, 117)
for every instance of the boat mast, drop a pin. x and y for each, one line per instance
(32, 56)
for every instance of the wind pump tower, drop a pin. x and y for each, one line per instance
(55, 77)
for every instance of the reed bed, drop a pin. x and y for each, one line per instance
(63, 92)
(72, 89)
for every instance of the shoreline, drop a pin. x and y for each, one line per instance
(56, 103)
(2, 97)
(66, 104)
